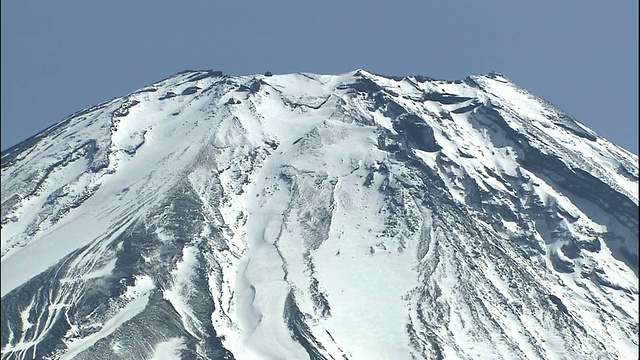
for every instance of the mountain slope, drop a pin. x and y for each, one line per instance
(320, 216)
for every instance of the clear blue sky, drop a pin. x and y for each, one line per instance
(59, 57)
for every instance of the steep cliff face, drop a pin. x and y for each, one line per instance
(320, 216)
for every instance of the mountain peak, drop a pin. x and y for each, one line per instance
(278, 215)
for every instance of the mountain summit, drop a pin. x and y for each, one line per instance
(304, 216)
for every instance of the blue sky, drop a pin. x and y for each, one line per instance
(60, 57)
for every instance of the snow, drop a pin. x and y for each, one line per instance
(180, 292)
(293, 179)
(138, 297)
(106, 270)
(56, 243)
(169, 350)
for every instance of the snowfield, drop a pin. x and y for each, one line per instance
(305, 216)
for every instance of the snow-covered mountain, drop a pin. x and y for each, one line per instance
(303, 216)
